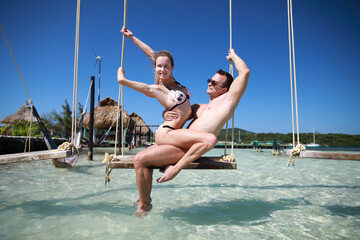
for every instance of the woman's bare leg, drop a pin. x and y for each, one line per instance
(153, 156)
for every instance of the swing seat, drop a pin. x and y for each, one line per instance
(201, 163)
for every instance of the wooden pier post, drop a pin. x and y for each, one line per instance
(91, 127)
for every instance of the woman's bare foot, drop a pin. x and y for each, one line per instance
(143, 210)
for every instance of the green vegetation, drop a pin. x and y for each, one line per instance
(330, 139)
(21, 128)
(57, 123)
(60, 124)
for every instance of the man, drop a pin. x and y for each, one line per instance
(210, 117)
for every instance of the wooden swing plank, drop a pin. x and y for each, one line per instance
(31, 156)
(201, 163)
(328, 155)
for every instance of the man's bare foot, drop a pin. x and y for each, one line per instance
(143, 210)
(169, 174)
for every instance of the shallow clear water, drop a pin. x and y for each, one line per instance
(263, 199)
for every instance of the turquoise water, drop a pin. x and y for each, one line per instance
(263, 199)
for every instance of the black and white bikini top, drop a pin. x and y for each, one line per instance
(179, 96)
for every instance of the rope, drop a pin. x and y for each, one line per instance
(66, 146)
(16, 64)
(76, 70)
(295, 152)
(231, 157)
(108, 159)
(28, 137)
(121, 91)
(87, 98)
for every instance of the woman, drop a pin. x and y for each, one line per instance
(170, 94)
(173, 96)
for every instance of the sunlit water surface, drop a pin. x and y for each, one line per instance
(262, 199)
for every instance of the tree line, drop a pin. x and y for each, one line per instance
(60, 125)
(329, 139)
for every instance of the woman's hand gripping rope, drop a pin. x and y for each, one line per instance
(295, 152)
(108, 159)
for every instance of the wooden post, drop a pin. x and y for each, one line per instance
(120, 133)
(140, 144)
(91, 127)
(135, 136)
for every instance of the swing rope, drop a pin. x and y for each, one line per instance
(120, 95)
(109, 158)
(296, 150)
(230, 158)
(28, 137)
(76, 73)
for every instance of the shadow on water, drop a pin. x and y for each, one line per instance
(64, 206)
(344, 210)
(222, 185)
(238, 212)
(52, 207)
(84, 168)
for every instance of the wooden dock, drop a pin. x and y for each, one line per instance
(327, 155)
(32, 156)
(201, 163)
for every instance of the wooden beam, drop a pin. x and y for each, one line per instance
(31, 156)
(328, 155)
(201, 163)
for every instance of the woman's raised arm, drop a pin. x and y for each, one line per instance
(153, 91)
(145, 48)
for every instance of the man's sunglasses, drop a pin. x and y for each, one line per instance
(213, 83)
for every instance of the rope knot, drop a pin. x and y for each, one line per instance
(295, 152)
(65, 146)
(108, 159)
(228, 158)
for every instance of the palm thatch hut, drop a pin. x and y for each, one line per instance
(138, 121)
(139, 129)
(105, 115)
(23, 113)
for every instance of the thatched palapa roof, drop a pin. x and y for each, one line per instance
(105, 117)
(105, 114)
(23, 113)
(139, 121)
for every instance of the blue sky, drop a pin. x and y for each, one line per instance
(327, 36)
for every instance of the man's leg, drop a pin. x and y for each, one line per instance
(154, 156)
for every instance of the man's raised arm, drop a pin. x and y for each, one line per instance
(238, 86)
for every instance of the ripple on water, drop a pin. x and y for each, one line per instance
(262, 199)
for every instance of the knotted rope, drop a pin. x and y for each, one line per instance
(295, 152)
(66, 146)
(108, 159)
